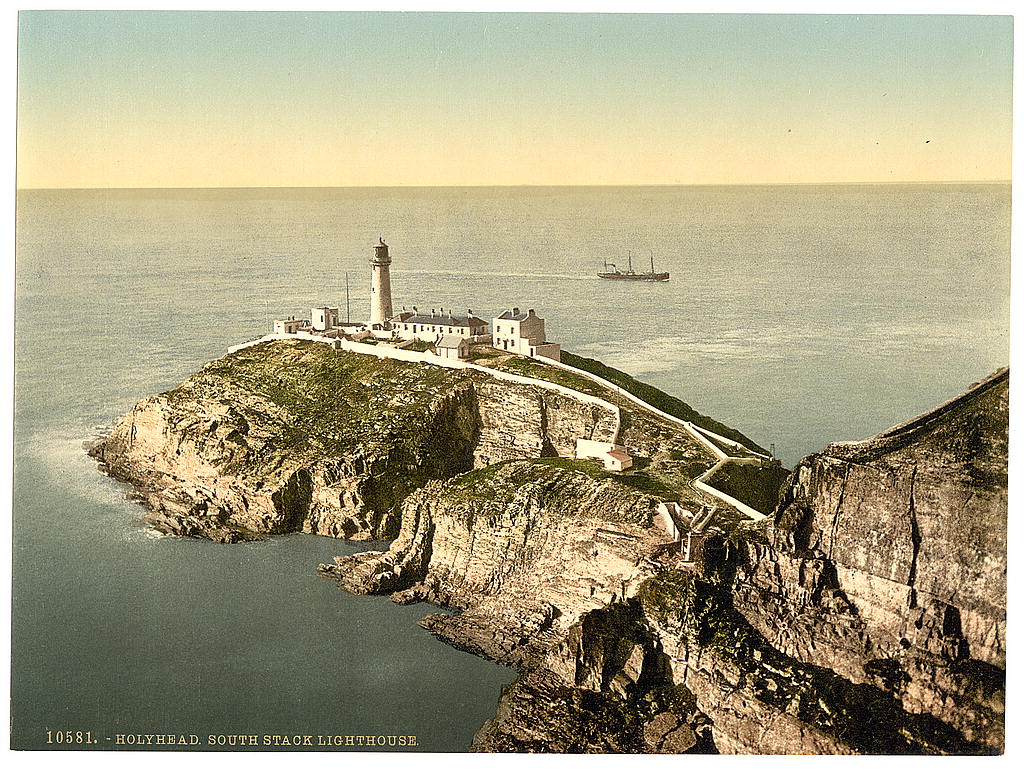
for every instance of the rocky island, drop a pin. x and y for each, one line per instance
(645, 610)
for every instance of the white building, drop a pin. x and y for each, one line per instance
(513, 331)
(452, 347)
(324, 317)
(291, 326)
(427, 327)
(611, 455)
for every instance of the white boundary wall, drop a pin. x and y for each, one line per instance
(286, 337)
(700, 434)
(699, 482)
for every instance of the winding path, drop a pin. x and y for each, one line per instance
(703, 436)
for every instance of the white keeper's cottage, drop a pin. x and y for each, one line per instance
(513, 331)
(325, 318)
(427, 327)
(289, 326)
(612, 455)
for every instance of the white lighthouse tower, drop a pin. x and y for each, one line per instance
(380, 285)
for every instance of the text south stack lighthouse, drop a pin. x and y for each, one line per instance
(380, 285)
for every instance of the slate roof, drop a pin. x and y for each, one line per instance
(517, 317)
(444, 319)
(449, 342)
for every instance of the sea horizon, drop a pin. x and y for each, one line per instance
(519, 186)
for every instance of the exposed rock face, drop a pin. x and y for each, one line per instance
(540, 713)
(868, 617)
(524, 548)
(888, 564)
(517, 421)
(291, 436)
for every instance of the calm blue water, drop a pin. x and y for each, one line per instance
(800, 315)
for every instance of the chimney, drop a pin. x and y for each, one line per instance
(515, 310)
(531, 313)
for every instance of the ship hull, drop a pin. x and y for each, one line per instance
(662, 277)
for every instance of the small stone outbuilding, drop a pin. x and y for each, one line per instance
(612, 455)
(452, 347)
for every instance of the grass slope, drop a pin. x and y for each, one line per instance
(654, 396)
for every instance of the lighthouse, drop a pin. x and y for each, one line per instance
(380, 284)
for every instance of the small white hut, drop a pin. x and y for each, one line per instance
(452, 347)
(612, 455)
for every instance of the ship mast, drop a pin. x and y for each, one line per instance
(630, 257)
(652, 261)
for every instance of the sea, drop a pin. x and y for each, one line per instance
(800, 315)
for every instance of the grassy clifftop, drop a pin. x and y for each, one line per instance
(330, 402)
(324, 401)
(663, 481)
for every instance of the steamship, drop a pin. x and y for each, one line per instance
(631, 275)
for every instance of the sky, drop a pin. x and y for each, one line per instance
(209, 99)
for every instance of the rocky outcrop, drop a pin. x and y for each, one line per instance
(524, 549)
(866, 617)
(292, 435)
(517, 421)
(541, 713)
(888, 563)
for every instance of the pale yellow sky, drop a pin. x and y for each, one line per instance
(124, 99)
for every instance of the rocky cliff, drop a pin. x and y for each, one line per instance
(523, 548)
(292, 435)
(888, 563)
(866, 617)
